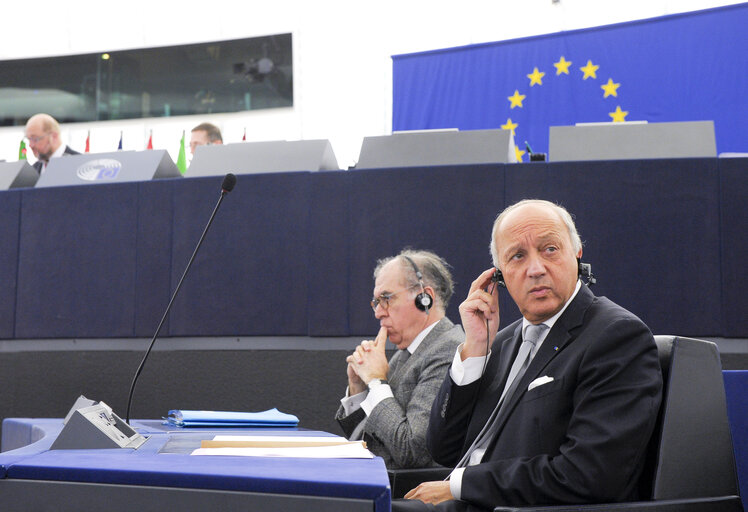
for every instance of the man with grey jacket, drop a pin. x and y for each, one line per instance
(388, 403)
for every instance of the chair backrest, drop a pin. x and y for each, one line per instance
(691, 454)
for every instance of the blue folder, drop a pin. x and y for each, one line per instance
(270, 418)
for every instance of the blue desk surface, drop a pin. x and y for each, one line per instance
(154, 464)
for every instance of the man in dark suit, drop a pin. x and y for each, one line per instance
(388, 403)
(43, 133)
(570, 393)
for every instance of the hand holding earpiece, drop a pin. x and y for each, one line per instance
(481, 305)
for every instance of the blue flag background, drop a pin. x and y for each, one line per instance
(687, 67)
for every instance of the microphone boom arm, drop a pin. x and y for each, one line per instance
(228, 185)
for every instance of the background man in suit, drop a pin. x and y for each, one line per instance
(43, 133)
(204, 134)
(388, 403)
(574, 424)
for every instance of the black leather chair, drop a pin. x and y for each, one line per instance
(691, 463)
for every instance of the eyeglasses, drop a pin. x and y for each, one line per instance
(36, 140)
(385, 298)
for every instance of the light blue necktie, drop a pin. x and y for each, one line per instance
(521, 362)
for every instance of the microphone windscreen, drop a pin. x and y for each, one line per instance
(229, 181)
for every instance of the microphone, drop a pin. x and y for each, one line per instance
(229, 181)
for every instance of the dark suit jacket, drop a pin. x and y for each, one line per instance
(579, 438)
(396, 428)
(68, 151)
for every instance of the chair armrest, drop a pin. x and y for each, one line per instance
(713, 504)
(403, 480)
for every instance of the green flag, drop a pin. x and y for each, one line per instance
(182, 158)
(22, 150)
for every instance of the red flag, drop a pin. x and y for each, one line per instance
(88, 141)
(245, 135)
(150, 141)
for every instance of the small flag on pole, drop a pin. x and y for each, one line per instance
(150, 141)
(22, 150)
(120, 141)
(244, 138)
(182, 158)
(88, 142)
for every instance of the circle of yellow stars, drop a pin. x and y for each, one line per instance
(589, 70)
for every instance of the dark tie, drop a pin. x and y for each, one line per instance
(521, 362)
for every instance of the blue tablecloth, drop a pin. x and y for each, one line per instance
(150, 465)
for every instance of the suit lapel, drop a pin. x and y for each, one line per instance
(397, 366)
(502, 357)
(506, 358)
(558, 337)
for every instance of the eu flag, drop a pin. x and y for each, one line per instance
(687, 67)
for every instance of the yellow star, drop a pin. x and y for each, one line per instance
(611, 88)
(536, 77)
(516, 99)
(619, 116)
(562, 66)
(589, 70)
(509, 125)
(519, 153)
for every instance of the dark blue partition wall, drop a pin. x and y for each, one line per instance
(292, 254)
(448, 210)
(154, 247)
(250, 276)
(9, 224)
(329, 253)
(734, 234)
(651, 232)
(76, 262)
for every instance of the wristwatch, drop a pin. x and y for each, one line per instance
(376, 382)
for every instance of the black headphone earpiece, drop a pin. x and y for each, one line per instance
(423, 300)
(585, 271)
(498, 278)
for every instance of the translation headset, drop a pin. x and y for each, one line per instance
(584, 271)
(423, 300)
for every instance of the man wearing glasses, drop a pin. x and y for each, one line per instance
(205, 134)
(43, 133)
(387, 404)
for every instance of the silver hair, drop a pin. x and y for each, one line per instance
(433, 268)
(560, 210)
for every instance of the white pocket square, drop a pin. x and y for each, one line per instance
(539, 382)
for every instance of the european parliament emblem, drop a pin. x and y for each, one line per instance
(589, 71)
(677, 68)
(98, 170)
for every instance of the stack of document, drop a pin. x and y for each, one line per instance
(317, 447)
(269, 418)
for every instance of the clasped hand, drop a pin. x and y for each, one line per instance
(367, 362)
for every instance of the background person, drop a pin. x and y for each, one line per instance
(388, 402)
(203, 135)
(43, 134)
